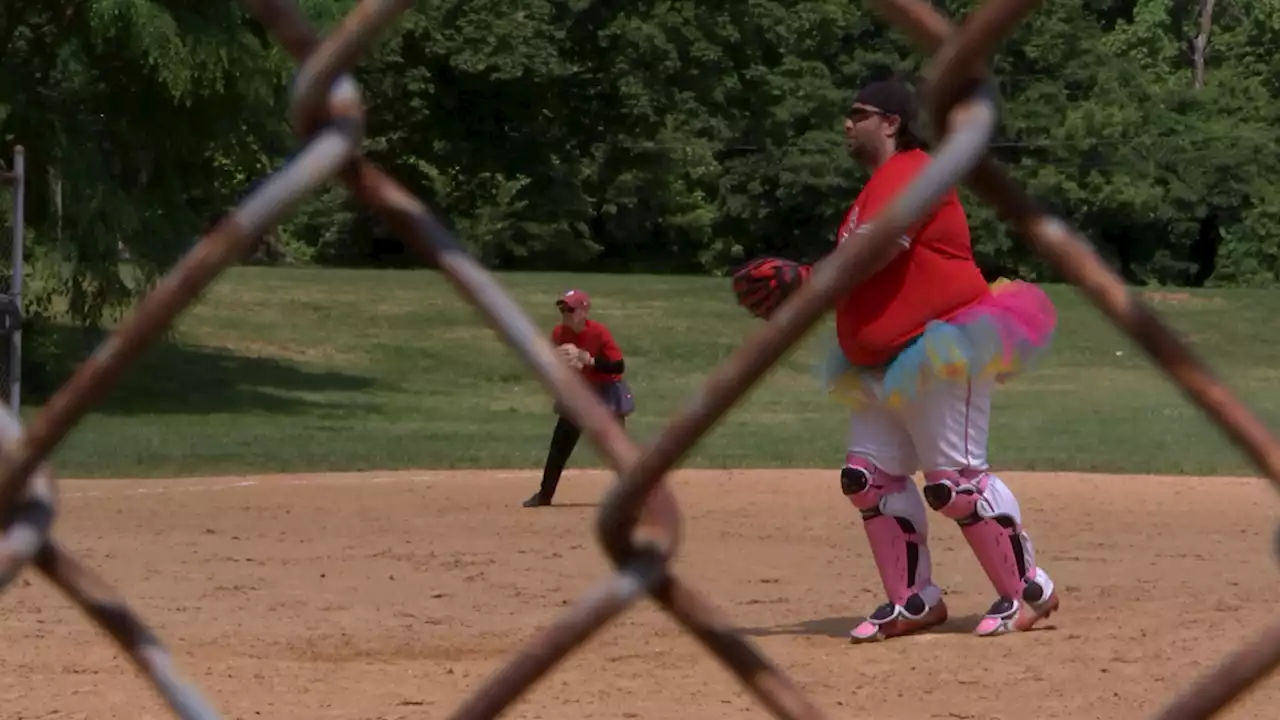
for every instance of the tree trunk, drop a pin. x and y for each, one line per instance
(1204, 250)
(1200, 44)
(55, 192)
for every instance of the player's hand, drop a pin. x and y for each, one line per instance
(571, 355)
(585, 359)
(762, 284)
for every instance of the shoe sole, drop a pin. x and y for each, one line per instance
(1023, 621)
(917, 626)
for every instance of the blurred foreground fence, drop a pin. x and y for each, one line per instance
(639, 522)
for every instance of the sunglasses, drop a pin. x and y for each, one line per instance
(858, 114)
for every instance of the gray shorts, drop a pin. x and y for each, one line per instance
(616, 396)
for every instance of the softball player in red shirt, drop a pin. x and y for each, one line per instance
(602, 366)
(920, 346)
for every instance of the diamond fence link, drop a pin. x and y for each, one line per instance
(639, 521)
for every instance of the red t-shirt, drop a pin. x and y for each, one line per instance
(932, 279)
(596, 339)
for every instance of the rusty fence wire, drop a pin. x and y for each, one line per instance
(639, 523)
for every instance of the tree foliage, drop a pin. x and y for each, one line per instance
(671, 136)
(139, 120)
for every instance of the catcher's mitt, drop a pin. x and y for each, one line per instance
(762, 284)
(571, 355)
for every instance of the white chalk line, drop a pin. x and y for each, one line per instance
(311, 480)
(157, 491)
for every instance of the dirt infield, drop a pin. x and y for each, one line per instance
(391, 595)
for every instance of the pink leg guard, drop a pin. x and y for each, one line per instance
(994, 533)
(895, 522)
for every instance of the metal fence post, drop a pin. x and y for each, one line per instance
(19, 233)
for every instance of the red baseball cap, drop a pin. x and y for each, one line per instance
(576, 299)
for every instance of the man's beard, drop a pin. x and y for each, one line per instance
(856, 151)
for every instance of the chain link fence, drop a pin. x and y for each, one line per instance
(639, 522)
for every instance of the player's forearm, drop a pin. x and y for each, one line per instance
(610, 366)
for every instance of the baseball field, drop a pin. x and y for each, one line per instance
(312, 493)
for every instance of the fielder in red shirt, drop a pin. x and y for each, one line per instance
(591, 344)
(920, 345)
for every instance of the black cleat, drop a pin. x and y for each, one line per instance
(536, 501)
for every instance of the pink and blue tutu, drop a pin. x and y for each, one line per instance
(999, 337)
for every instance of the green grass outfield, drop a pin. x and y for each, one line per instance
(281, 370)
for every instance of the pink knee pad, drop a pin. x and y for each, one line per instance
(996, 541)
(897, 541)
(955, 493)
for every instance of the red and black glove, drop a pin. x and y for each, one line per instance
(762, 284)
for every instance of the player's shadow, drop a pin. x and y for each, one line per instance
(839, 627)
(172, 377)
